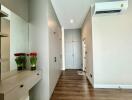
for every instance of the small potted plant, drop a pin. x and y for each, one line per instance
(20, 61)
(33, 60)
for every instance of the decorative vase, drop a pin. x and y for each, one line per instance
(33, 67)
(19, 67)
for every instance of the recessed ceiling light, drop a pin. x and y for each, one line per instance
(71, 21)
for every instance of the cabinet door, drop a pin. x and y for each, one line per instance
(52, 52)
(16, 94)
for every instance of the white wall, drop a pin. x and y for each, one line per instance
(112, 49)
(38, 33)
(18, 38)
(87, 37)
(55, 47)
(20, 7)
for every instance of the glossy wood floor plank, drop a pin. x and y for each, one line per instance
(72, 86)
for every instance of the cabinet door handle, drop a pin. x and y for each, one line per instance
(21, 86)
(38, 74)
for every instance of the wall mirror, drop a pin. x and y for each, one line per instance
(13, 39)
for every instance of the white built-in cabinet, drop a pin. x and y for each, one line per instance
(55, 56)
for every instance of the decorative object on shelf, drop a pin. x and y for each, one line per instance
(20, 61)
(33, 60)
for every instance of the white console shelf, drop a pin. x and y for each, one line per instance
(17, 86)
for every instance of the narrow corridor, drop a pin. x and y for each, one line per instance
(72, 86)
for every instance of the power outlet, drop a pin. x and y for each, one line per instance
(119, 87)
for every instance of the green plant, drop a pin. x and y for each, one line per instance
(33, 60)
(20, 61)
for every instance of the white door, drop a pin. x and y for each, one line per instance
(77, 56)
(69, 55)
(73, 50)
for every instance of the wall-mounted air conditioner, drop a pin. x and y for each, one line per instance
(110, 7)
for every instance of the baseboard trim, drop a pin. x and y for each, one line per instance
(63, 68)
(90, 80)
(113, 86)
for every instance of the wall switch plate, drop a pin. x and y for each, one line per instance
(91, 75)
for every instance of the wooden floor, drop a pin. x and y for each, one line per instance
(71, 86)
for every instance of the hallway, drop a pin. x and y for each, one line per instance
(72, 86)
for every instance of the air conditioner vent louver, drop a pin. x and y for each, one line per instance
(108, 11)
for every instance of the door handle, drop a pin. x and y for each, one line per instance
(38, 74)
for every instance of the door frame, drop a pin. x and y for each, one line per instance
(84, 54)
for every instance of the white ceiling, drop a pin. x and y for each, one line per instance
(72, 9)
